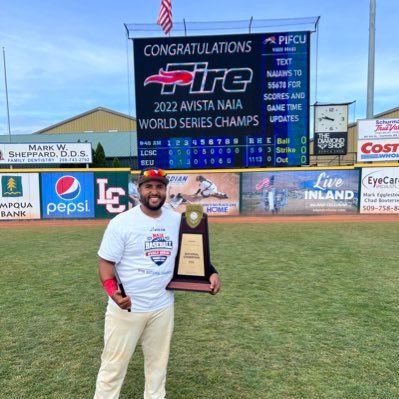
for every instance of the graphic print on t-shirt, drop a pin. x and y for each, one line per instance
(158, 247)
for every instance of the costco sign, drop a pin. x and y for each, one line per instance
(378, 150)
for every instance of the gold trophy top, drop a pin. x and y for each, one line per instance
(194, 213)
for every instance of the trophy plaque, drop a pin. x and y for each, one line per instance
(192, 266)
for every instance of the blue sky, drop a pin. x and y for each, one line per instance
(65, 58)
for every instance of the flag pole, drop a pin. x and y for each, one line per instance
(5, 81)
(371, 62)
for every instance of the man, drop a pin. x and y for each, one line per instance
(141, 244)
(207, 188)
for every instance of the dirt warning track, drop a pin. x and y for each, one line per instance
(215, 220)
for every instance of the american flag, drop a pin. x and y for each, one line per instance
(265, 183)
(165, 16)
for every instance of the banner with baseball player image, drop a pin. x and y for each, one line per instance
(300, 192)
(218, 193)
(133, 193)
(379, 190)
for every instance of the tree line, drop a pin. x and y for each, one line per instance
(99, 159)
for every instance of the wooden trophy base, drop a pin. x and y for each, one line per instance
(189, 285)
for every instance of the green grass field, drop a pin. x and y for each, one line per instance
(307, 311)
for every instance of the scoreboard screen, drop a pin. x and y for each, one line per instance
(229, 101)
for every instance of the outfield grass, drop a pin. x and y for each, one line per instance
(307, 311)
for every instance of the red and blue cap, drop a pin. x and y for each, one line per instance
(152, 174)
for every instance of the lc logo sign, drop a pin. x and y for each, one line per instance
(110, 196)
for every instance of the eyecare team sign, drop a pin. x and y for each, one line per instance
(380, 190)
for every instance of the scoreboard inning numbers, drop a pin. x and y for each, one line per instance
(208, 152)
(223, 101)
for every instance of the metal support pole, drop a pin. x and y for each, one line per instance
(371, 62)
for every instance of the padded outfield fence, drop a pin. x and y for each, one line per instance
(103, 193)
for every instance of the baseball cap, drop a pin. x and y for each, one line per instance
(152, 174)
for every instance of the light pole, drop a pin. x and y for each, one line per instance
(371, 62)
(5, 81)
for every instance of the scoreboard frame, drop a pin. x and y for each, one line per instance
(225, 101)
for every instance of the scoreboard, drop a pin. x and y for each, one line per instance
(228, 101)
(207, 152)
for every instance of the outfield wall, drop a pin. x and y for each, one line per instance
(63, 193)
(103, 193)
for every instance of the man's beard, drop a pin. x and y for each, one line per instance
(145, 201)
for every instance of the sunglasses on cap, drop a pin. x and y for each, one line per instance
(153, 173)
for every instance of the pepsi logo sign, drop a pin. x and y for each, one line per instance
(67, 195)
(67, 188)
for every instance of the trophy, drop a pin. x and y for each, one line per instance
(192, 266)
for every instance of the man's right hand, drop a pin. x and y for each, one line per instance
(124, 303)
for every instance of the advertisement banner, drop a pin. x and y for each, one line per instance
(34, 153)
(300, 192)
(379, 190)
(224, 101)
(133, 194)
(378, 128)
(218, 193)
(111, 193)
(377, 150)
(331, 143)
(67, 195)
(19, 196)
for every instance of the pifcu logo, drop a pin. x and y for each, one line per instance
(270, 39)
(198, 78)
(291, 39)
(286, 40)
(67, 196)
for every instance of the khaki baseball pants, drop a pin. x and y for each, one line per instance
(122, 331)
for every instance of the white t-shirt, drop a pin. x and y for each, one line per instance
(144, 251)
